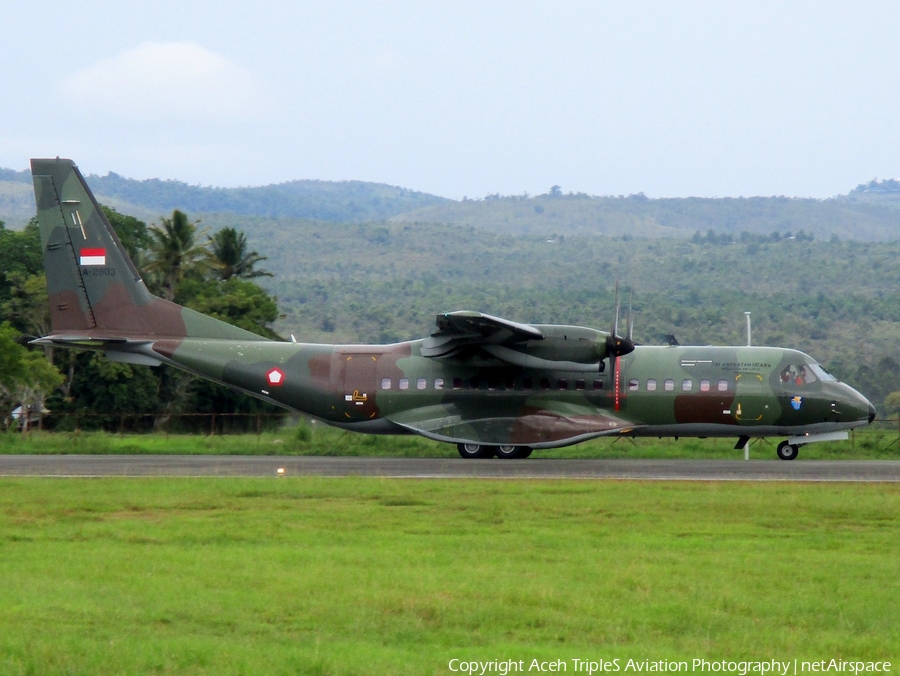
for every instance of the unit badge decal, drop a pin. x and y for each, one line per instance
(797, 402)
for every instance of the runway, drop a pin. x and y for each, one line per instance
(445, 468)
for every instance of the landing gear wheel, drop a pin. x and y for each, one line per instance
(786, 451)
(512, 452)
(475, 451)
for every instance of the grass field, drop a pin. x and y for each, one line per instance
(368, 576)
(319, 439)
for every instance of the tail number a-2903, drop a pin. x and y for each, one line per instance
(98, 272)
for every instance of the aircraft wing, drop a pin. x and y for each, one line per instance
(458, 330)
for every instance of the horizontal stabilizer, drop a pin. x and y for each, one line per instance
(125, 350)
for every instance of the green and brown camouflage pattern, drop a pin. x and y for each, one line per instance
(478, 379)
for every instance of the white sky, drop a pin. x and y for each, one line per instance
(461, 98)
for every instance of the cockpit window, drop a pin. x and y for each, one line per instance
(804, 374)
(821, 371)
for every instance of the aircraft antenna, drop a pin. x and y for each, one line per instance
(747, 314)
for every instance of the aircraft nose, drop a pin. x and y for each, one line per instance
(858, 408)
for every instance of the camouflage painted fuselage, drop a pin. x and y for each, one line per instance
(661, 391)
(478, 379)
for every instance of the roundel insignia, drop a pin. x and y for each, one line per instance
(275, 377)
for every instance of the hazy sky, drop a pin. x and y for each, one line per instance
(461, 98)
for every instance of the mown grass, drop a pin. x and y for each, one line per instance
(319, 439)
(368, 576)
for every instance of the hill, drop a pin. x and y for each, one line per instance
(321, 200)
(639, 216)
(147, 199)
(871, 212)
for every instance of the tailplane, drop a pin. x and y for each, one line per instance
(94, 288)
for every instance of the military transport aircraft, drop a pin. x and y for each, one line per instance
(492, 386)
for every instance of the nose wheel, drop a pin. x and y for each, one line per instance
(787, 451)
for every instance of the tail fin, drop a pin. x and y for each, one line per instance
(95, 290)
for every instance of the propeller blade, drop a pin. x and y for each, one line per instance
(630, 333)
(616, 345)
(615, 327)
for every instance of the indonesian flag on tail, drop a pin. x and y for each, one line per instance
(93, 257)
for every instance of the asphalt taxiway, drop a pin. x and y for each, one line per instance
(445, 468)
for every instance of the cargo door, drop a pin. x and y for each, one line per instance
(359, 382)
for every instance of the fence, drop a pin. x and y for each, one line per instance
(166, 423)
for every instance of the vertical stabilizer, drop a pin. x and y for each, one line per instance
(90, 280)
(94, 288)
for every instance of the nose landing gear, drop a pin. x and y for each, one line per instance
(787, 451)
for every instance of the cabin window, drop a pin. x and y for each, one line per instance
(385, 383)
(510, 383)
(651, 385)
(474, 383)
(562, 384)
(704, 385)
(457, 383)
(545, 383)
(687, 384)
(421, 384)
(439, 383)
(723, 385)
(669, 385)
(527, 383)
(579, 384)
(598, 384)
(403, 384)
(633, 384)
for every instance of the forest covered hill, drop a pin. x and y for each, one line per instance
(870, 212)
(640, 216)
(322, 200)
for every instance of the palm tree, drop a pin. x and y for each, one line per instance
(230, 256)
(174, 248)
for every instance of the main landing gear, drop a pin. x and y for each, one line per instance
(484, 451)
(787, 451)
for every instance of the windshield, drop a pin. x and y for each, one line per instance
(822, 372)
(804, 374)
